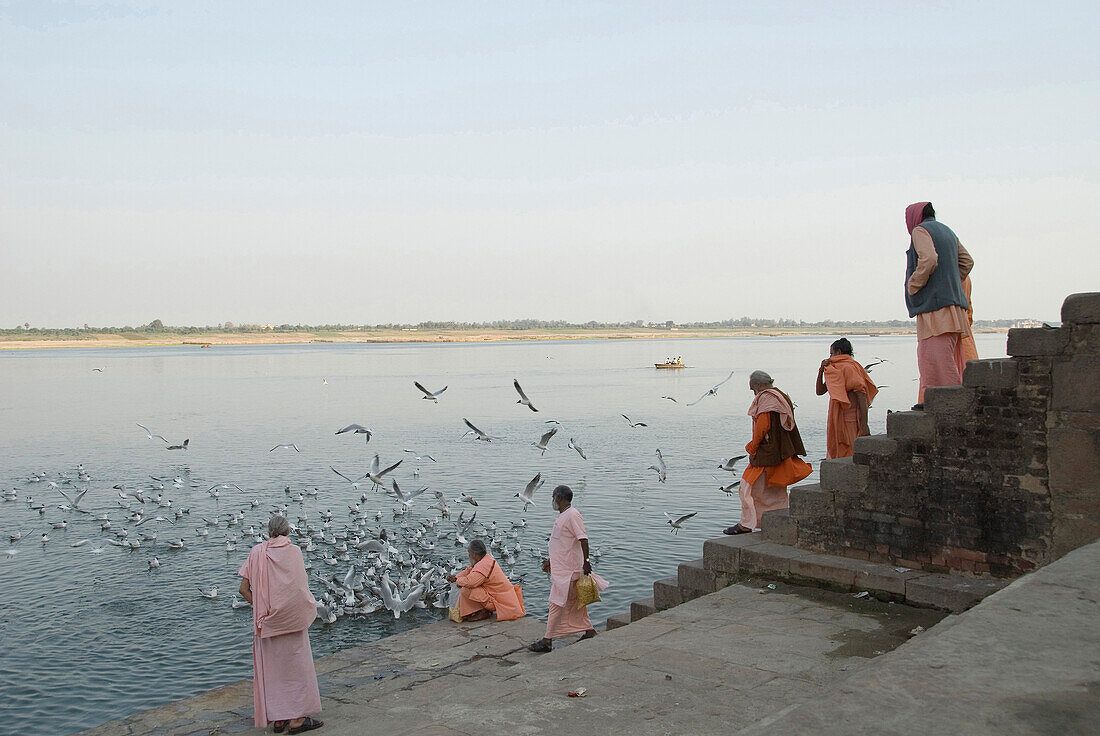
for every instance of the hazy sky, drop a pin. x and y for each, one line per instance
(362, 162)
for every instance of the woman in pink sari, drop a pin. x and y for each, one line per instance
(276, 584)
(568, 562)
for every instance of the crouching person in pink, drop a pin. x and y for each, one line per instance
(567, 564)
(276, 584)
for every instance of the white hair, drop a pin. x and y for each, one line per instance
(760, 378)
(278, 526)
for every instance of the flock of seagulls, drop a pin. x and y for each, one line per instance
(362, 559)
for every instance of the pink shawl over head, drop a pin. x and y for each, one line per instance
(281, 600)
(771, 400)
(914, 213)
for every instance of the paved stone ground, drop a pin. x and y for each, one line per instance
(712, 665)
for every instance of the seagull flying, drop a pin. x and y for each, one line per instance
(375, 473)
(475, 431)
(150, 435)
(712, 391)
(428, 395)
(528, 495)
(633, 424)
(545, 439)
(285, 444)
(354, 483)
(662, 470)
(357, 429)
(522, 396)
(731, 464)
(580, 450)
(677, 522)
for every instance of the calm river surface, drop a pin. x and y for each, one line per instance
(88, 636)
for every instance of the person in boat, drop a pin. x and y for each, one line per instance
(774, 450)
(275, 582)
(851, 392)
(484, 589)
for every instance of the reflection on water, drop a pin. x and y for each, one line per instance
(89, 637)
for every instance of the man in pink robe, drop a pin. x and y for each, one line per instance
(275, 582)
(567, 564)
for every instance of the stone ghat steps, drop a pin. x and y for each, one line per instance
(730, 559)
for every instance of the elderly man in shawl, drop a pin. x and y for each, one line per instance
(567, 564)
(276, 584)
(936, 266)
(774, 450)
(851, 392)
(484, 589)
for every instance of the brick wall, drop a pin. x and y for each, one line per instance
(999, 475)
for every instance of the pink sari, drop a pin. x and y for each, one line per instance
(567, 567)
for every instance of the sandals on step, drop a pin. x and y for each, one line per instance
(307, 725)
(736, 529)
(277, 728)
(540, 647)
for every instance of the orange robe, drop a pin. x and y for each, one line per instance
(843, 377)
(485, 586)
(765, 488)
(969, 347)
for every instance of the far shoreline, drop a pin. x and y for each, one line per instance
(218, 339)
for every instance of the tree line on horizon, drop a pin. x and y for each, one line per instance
(157, 326)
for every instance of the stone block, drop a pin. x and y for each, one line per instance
(666, 594)
(810, 501)
(911, 425)
(723, 554)
(778, 526)
(877, 445)
(826, 571)
(842, 474)
(617, 621)
(1035, 341)
(769, 559)
(953, 402)
(950, 592)
(641, 608)
(1076, 384)
(1002, 373)
(1082, 309)
(1073, 463)
(693, 577)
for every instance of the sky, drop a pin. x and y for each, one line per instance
(358, 162)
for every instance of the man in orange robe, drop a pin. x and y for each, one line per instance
(773, 454)
(485, 589)
(969, 347)
(851, 392)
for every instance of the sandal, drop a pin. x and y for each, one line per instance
(737, 529)
(278, 726)
(541, 646)
(588, 635)
(307, 725)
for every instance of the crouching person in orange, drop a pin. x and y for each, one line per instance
(851, 392)
(484, 589)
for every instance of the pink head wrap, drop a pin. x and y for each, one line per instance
(914, 213)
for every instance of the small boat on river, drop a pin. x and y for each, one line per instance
(671, 365)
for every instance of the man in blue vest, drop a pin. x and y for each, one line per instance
(935, 268)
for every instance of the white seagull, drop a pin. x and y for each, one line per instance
(285, 444)
(475, 431)
(357, 429)
(522, 396)
(150, 435)
(429, 395)
(731, 464)
(633, 424)
(528, 495)
(712, 391)
(545, 439)
(662, 470)
(677, 522)
(580, 450)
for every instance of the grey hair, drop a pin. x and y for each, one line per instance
(565, 493)
(478, 547)
(278, 526)
(760, 378)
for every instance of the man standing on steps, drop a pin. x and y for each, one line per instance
(936, 264)
(774, 450)
(568, 562)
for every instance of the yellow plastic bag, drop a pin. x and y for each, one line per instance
(586, 591)
(456, 614)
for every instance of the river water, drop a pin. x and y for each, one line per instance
(89, 637)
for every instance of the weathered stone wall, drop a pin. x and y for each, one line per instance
(999, 475)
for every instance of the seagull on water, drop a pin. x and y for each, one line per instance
(429, 395)
(633, 424)
(545, 439)
(179, 447)
(662, 470)
(212, 593)
(522, 396)
(712, 391)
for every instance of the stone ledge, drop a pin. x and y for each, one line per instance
(877, 445)
(911, 424)
(992, 373)
(950, 592)
(768, 558)
(1037, 341)
(666, 594)
(949, 401)
(1082, 309)
(778, 526)
(1076, 384)
(809, 501)
(723, 554)
(617, 621)
(842, 474)
(641, 608)
(694, 579)
(851, 575)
